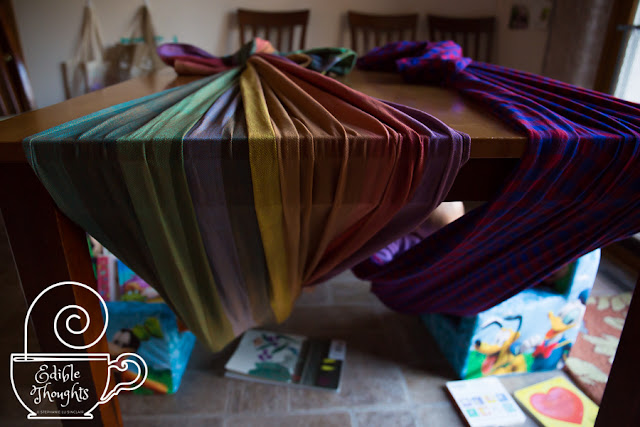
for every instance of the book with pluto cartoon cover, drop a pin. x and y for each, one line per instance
(558, 403)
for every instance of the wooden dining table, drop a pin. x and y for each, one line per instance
(48, 248)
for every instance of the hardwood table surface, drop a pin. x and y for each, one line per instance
(490, 138)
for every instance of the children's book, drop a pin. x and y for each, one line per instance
(485, 402)
(558, 403)
(272, 357)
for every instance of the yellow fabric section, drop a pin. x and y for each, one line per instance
(265, 175)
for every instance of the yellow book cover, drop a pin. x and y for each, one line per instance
(558, 403)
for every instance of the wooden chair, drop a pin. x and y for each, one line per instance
(16, 95)
(467, 32)
(283, 23)
(383, 28)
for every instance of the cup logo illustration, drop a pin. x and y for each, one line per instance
(70, 385)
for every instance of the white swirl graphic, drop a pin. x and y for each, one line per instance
(70, 317)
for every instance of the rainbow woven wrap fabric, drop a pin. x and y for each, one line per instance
(231, 193)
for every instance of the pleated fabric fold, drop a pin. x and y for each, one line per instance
(231, 193)
(577, 187)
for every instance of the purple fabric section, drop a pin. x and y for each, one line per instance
(422, 62)
(169, 51)
(204, 161)
(577, 188)
(396, 247)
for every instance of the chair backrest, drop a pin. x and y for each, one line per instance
(16, 95)
(264, 24)
(474, 35)
(383, 29)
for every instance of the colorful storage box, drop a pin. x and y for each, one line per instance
(140, 323)
(151, 331)
(531, 331)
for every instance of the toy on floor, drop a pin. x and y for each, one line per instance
(531, 331)
(140, 322)
(500, 356)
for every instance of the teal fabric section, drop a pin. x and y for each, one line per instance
(78, 165)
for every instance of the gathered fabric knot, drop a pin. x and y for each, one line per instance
(191, 60)
(430, 62)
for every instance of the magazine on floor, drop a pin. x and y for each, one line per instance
(485, 402)
(277, 358)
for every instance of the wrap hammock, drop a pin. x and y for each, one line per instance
(577, 187)
(230, 193)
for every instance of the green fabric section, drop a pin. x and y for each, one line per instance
(325, 60)
(152, 166)
(81, 171)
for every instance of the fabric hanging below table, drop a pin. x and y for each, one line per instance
(230, 193)
(577, 187)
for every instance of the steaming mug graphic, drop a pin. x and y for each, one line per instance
(64, 385)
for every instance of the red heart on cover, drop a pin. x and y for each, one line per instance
(560, 404)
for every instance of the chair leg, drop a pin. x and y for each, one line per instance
(48, 248)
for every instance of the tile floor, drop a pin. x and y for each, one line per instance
(394, 374)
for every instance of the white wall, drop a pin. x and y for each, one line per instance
(49, 28)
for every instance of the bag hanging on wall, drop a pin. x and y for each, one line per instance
(87, 70)
(136, 55)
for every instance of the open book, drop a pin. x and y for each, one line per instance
(485, 402)
(277, 358)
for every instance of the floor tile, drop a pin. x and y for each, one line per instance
(203, 359)
(201, 392)
(426, 384)
(439, 415)
(334, 419)
(252, 397)
(385, 419)
(352, 291)
(172, 421)
(330, 320)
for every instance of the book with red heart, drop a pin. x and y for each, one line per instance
(558, 403)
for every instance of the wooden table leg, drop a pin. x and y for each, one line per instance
(48, 248)
(621, 401)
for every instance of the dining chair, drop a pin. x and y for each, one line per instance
(16, 94)
(283, 23)
(383, 29)
(474, 35)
